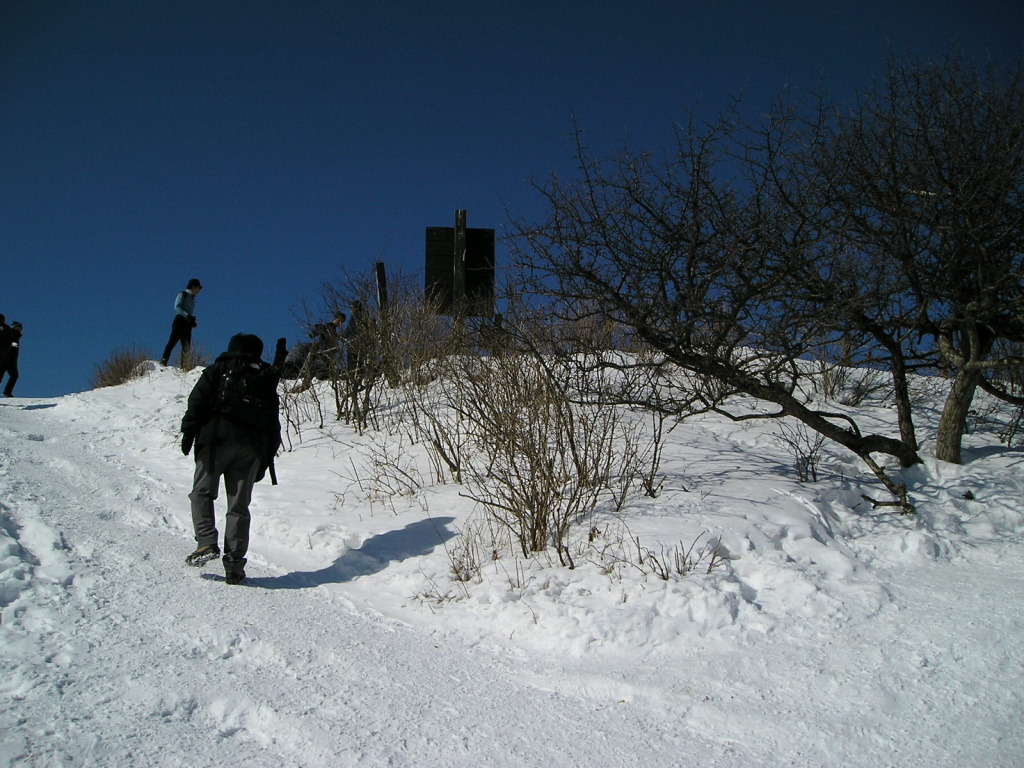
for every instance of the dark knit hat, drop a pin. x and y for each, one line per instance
(246, 344)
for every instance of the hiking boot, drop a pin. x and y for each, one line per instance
(203, 555)
(235, 577)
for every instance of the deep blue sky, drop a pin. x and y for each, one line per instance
(265, 147)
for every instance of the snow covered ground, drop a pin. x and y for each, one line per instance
(834, 635)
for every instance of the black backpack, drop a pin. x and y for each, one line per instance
(247, 391)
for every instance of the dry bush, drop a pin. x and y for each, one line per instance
(400, 339)
(612, 547)
(680, 560)
(805, 446)
(301, 409)
(194, 357)
(539, 462)
(122, 365)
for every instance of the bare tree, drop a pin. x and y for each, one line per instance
(928, 176)
(693, 254)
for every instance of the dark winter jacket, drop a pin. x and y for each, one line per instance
(5, 341)
(10, 344)
(208, 428)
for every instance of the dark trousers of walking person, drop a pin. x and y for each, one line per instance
(181, 330)
(239, 464)
(9, 368)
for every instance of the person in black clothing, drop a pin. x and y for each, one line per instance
(184, 319)
(327, 346)
(10, 345)
(5, 331)
(322, 358)
(325, 359)
(235, 428)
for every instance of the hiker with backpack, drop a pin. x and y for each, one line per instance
(184, 320)
(232, 421)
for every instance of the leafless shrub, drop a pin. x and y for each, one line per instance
(300, 409)
(194, 356)
(830, 379)
(650, 478)
(392, 465)
(805, 446)
(426, 413)
(680, 560)
(476, 545)
(465, 561)
(1014, 428)
(840, 376)
(396, 345)
(1010, 381)
(122, 365)
(847, 385)
(994, 416)
(611, 546)
(863, 384)
(544, 462)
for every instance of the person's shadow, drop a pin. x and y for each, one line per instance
(377, 552)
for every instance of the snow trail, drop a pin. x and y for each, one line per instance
(832, 637)
(141, 660)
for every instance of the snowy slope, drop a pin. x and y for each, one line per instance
(833, 635)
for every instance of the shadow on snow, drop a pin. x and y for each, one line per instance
(376, 553)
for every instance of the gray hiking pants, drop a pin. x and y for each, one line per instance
(239, 464)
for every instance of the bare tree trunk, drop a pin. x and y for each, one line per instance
(904, 409)
(953, 422)
(900, 383)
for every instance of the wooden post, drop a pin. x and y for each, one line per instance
(382, 287)
(459, 282)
